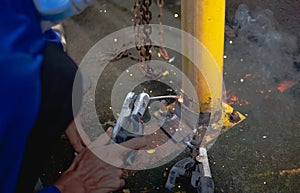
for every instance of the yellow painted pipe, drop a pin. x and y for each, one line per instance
(205, 19)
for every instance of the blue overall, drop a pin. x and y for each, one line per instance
(21, 46)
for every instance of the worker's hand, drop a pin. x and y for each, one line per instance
(76, 135)
(89, 174)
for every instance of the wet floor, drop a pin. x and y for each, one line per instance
(261, 75)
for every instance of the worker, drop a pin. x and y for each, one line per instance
(36, 103)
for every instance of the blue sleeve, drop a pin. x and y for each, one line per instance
(20, 82)
(49, 189)
(59, 9)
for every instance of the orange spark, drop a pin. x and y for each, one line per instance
(234, 98)
(247, 76)
(286, 84)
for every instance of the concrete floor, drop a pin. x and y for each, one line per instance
(286, 12)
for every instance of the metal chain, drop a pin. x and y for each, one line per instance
(143, 30)
(162, 49)
(143, 42)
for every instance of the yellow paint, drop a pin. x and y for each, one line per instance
(205, 20)
(295, 171)
(226, 123)
(291, 172)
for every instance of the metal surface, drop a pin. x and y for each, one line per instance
(133, 109)
(205, 19)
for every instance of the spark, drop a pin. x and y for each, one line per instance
(176, 15)
(242, 80)
(150, 151)
(115, 40)
(230, 42)
(283, 86)
(246, 102)
(165, 73)
(264, 137)
(234, 98)
(225, 56)
(247, 76)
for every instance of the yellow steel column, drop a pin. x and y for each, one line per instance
(205, 19)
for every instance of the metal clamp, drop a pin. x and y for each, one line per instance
(129, 124)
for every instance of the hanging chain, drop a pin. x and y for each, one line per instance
(143, 42)
(143, 30)
(162, 50)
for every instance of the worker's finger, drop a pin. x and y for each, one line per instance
(74, 137)
(109, 185)
(83, 136)
(109, 131)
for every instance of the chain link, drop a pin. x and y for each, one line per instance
(162, 50)
(142, 28)
(143, 42)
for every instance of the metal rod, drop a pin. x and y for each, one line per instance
(165, 97)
